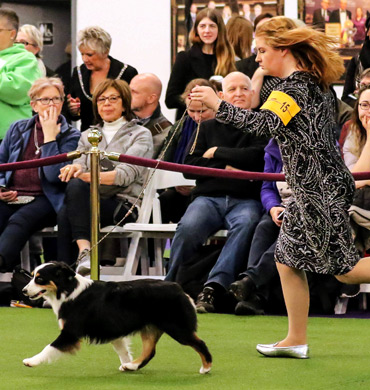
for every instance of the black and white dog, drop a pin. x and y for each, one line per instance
(108, 312)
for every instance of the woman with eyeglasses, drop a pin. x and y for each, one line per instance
(357, 143)
(120, 183)
(31, 38)
(94, 44)
(30, 198)
(356, 149)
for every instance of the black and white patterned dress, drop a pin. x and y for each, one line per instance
(315, 234)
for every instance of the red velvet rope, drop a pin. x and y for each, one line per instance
(41, 162)
(195, 170)
(164, 165)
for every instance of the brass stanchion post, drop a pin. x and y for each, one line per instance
(94, 137)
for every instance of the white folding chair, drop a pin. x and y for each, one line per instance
(144, 229)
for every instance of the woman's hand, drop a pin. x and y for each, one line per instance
(8, 196)
(70, 171)
(365, 120)
(210, 153)
(74, 105)
(274, 212)
(49, 124)
(206, 95)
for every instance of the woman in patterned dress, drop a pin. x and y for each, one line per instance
(299, 114)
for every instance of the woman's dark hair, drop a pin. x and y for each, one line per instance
(125, 93)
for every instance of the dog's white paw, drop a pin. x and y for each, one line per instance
(31, 362)
(204, 370)
(129, 367)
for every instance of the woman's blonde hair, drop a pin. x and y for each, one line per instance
(45, 82)
(35, 35)
(240, 35)
(314, 51)
(95, 38)
(222, 48)
(124, 92)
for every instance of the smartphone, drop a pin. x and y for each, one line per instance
(281, 215)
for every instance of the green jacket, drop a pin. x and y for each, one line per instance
(18, 71)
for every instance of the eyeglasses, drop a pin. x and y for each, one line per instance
(112, 99)
(365, 106)
(25, 43)
(45, 101)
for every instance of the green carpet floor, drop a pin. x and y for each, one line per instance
(340, 357)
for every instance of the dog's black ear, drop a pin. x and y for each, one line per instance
(65, 271)
(66, 280)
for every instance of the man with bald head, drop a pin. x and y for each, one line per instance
(146, 91)
(221, 203)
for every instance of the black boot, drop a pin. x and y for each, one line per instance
(242, 289)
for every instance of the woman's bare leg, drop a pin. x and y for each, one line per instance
(297, 301)
(359, 274)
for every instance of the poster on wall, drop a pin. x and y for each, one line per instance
(47, 31)
(344, 19)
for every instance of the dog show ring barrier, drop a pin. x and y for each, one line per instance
(94, 138)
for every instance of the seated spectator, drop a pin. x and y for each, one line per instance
(356, 156)
(30, 198)
(174, 201)
(221, 203)
(31, 38)
(146, 89)
(252, 288)
(120, 183)
(94, 45)
(210, 54)
(364, 81)
(18, 71)
(356, 66)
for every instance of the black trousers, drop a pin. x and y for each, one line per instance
(18, 223)
(74, 218)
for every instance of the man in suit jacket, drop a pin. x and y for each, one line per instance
(321, 16)
(340, 15)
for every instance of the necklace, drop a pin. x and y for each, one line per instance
(37, 152)
(82, 83)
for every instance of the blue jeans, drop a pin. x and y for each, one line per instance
(207, 215)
